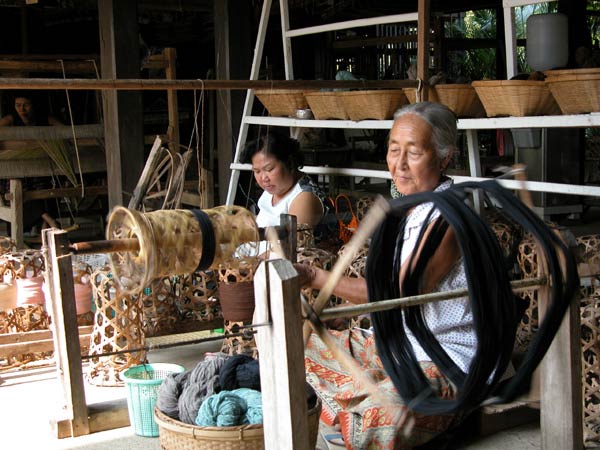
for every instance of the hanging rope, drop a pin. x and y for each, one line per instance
(496, 311)
(62, 65)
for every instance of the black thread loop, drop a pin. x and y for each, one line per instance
(209, 245)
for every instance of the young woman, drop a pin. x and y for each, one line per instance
(26, 114)
(276, 162)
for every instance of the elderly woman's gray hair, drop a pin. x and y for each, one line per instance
(442, 121)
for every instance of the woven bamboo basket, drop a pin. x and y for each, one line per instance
(282, 102)
(516, 98)
(576, 91)
(176, 435)
(326, 105)
(462, 99)
(373, 104)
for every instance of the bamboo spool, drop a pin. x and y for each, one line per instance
(170, 242)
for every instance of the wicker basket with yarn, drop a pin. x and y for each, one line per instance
(372, 104)
(176, 435)
(516, 98)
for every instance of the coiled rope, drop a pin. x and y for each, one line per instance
(496, 311)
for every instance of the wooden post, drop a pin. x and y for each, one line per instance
(423, 47)
(281, 356)
(16, 207)
(171, 74)
(290, 223)
(67, 351)
(561, 414)
(123, 124)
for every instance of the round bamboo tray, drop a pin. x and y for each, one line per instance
(282, 102)
(462, 99)
(516, 98)
(176, 435)
(373, 104)
(326, 105)
(576, 90)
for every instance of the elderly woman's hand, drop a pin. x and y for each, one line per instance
(306, 274)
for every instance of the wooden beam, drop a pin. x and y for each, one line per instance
(135, 84)
(48, 66)
(64, 192)
(41, 345)
(108, 415)
(50, 56)
(36, 335)
(51, 132)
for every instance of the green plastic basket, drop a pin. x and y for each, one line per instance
(142, 384)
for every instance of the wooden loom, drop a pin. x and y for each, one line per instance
(276, 288)
(21, 156)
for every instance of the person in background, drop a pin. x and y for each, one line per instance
(276, 162)
(420, 146)
(26, 113)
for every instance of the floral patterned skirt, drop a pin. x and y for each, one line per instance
(364, 423)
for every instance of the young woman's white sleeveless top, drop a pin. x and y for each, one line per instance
(268, 215)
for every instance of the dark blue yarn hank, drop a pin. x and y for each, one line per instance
(209, 245)
(496, 310)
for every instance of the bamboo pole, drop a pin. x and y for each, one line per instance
(143, 84)
(421, 299)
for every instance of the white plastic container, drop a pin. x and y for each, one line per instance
(547, 41)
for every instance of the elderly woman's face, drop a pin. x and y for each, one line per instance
(411, 157)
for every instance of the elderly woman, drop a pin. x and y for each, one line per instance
(276, 162)
(420, 147)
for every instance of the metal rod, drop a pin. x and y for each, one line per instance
(245, 334)
(144, 84)
(384, 305)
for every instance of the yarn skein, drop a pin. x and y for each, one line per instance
(224, 409)
(169, 391)
(240, 371)
(253, 399)
(202, 382)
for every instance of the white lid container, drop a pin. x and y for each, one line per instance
(547, 41)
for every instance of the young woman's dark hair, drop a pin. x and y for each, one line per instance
(275, 143)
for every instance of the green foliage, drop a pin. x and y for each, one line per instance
(474, 64)
(594, 22)
(477, 64)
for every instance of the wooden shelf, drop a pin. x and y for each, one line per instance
(562, 121)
